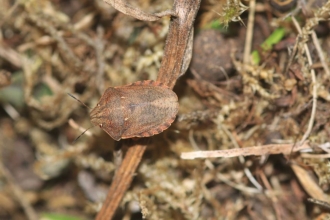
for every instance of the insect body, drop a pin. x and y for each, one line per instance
(141, 109)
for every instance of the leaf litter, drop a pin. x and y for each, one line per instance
(272, 114)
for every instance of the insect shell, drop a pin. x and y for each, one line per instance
(141, 109)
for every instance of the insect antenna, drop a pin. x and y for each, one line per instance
(75, 140)
(79, 101)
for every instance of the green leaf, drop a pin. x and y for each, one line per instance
(267, 45)
(215, 24)
(274, 38)
(53, 216)
(42, 90)
(255, 57)
(14, 93)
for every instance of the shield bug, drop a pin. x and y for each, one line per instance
(141, 109)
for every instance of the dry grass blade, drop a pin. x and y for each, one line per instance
(247, 151)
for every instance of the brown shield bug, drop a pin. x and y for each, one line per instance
(141, 109)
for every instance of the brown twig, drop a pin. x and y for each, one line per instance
(174, 64)
(247, 151)
(178, 42)
(122, 180)
(249, 33)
